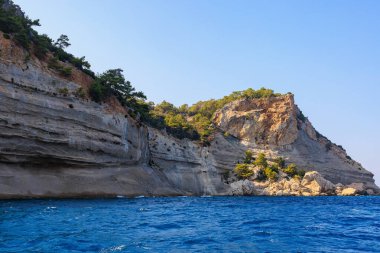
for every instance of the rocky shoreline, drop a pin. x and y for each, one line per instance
(312, 184)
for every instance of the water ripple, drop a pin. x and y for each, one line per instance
(190, 224)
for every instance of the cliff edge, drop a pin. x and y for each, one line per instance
(56, 143)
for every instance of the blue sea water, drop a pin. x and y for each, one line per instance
(192, 224)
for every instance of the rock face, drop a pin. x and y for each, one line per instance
(59, 145)
(270, 121)
(55, 144)
(276, 127)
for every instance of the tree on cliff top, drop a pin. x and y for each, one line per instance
(62, 42)
(112, 82)
(18, 27)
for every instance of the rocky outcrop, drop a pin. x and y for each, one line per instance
(275, 126)
(313, 184)
(56, 144)
(270, 121)
(243, 188)
(317, 184)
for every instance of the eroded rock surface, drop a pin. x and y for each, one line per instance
(55, 144)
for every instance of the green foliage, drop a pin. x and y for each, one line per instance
(280, 161)
(42, 46)
(66, 71)
(292, 171)
(248, 156)
(63, 91)
(112, 82)
(301, 116)
(301, 173)
(270, 173)
(166, 116)
(80, 93)
(183, 109)
(261, 175)
(243, 171)
(202, 125)
(81, 63)
(261, 161)
(274, 167)
(17, 26)
(62, 42)
(261, 93)
(176, 121)
(193, 122)
(200, 114)
(13, 21)
(97, 92)
(55, 65)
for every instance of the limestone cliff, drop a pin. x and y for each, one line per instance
(277, 127)
(54, 143)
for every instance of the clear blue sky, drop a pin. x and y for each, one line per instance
(326, 52)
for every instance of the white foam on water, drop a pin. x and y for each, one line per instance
(113, 249)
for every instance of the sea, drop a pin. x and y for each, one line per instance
(192, 224)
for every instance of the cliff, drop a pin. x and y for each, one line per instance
(54, 143)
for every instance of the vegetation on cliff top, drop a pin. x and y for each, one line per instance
(193, 122)
(18, 27)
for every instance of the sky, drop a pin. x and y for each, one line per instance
(326, 52)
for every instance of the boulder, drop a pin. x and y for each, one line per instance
(316, 184)
(349, 192)
(360, 187)
(242, 187)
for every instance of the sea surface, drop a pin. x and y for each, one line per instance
(192, 224)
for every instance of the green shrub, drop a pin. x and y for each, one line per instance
(301, 117)
(17, 26)
(301, 173)
(328, 146)
(248, 156)
(43, 45)
(261, 93)
(97, 92)
(261, 175)
(55, 65)
(261, 161)
(270, 173)
(280, 161)
(291, 169)
(65, 71)
(63, 91)
(80, 93)
(243, 171)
